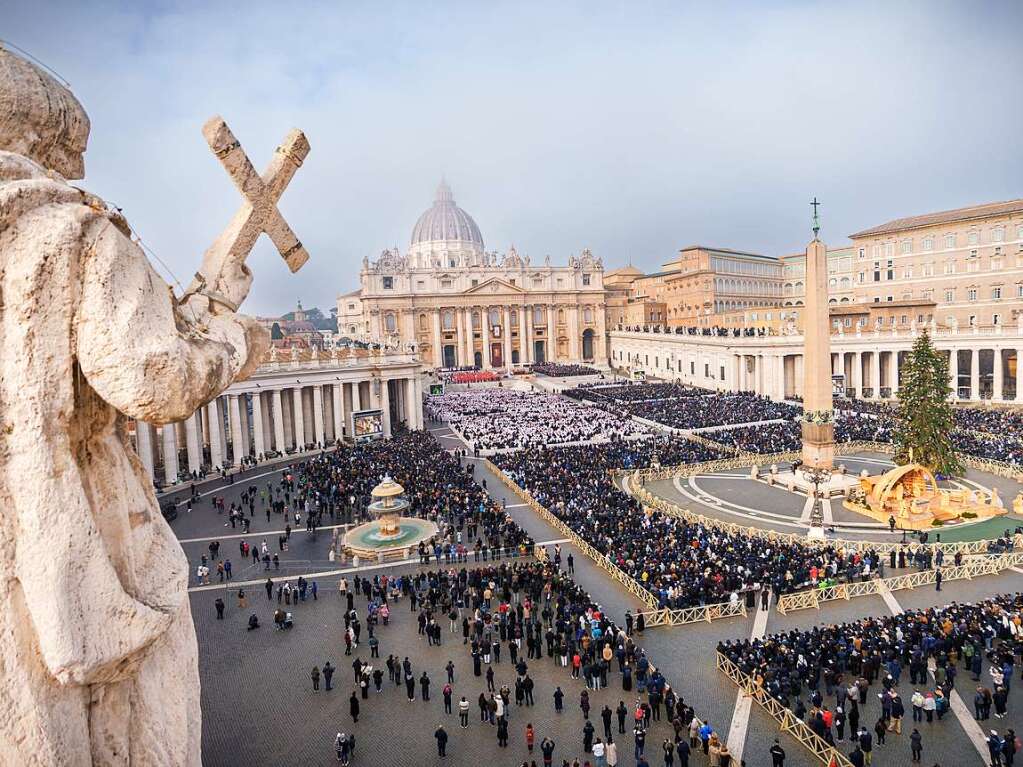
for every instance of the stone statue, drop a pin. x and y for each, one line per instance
(98, 657)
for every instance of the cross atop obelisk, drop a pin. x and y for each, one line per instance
(816, 218)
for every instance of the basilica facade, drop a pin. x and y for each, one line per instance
(462, 306)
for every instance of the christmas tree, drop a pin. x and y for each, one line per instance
(925, 417)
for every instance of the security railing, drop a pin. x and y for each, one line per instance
(823, 751)
(975, 567)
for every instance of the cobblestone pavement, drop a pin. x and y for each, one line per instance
(259, 707)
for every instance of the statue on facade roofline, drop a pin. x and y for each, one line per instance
(99, 660)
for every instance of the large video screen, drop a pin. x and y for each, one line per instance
(436, 389)
(367, 424)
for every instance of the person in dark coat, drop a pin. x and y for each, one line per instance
(683, 749)
(777, 754)
(353, 706)
(442, 739)
(219, 604)
(328, 674)
(588, 730)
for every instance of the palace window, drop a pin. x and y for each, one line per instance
(586, 279)
(475, 320)
(950, 295)
(996, 292)
(928, 243)
(447, 320)
(998, 234)
(973, 238)
(390, 322)
(950, 240)
(388, 283)
(996, 319)
(971, 294)
(445, 284)
(907, 247)
(538, 315)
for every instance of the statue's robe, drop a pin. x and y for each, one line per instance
(98, 655)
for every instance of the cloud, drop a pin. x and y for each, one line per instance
(631, 130)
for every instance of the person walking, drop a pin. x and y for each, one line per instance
(777, 754)
(463, 713)
(219, 604)
(588, 736)
(442, 740)
(916, 745)
(530, 735)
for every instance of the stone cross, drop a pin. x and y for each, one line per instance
(257, 214)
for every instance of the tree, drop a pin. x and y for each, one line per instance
(925, 417)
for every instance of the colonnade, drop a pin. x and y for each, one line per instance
(257, 420)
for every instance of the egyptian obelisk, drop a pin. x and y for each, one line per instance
(818, 426)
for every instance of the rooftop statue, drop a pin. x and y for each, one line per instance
(99, 660)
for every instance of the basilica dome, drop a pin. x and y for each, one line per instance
(446, 227)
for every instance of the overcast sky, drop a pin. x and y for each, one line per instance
(632, 129)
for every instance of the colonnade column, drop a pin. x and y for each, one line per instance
(385, 407)
(192, 444)
(1019, 375)
(894, 368)
(278, 420)
(257, 423)
(356, 397)
(438, 352)
(144, 446)
(298, 419)
(339, 410)
(997, 382)
(236, 429)
(858, 374)
(485, 323)
(876, 375)
(213, 423)
(506, 330)
(170, 453)
(974, 374)
(320, 436)
(953, 372)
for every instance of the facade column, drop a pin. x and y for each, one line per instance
(876, 374)
(997, 382)
(418, 401)
(144, 446)
(192, 443)
(170, 454)
(298, 419)
(469, 344)
(320, 436)
(214, 422)
(356, 397)
(257, 423)
(235, 417)
(485, 324)
(552, 333)
(438, 352)
(523, 337)
(339, 410)
(385, 407)
(858, 374)
(278, 419)
(975, 374)
(246, 439)
(506, 331)
(573, 334)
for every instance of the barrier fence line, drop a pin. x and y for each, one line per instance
(600, 559)
(824, 752)
(671, 616)
(802, 600)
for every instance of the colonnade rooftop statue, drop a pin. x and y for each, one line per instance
(98, 656)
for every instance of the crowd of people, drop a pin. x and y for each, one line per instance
(825, 674)
(561, 370)
(500, 419)
(473, 376)
(689, 412)
(634, 392)
(785, 436)
(681, 564)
